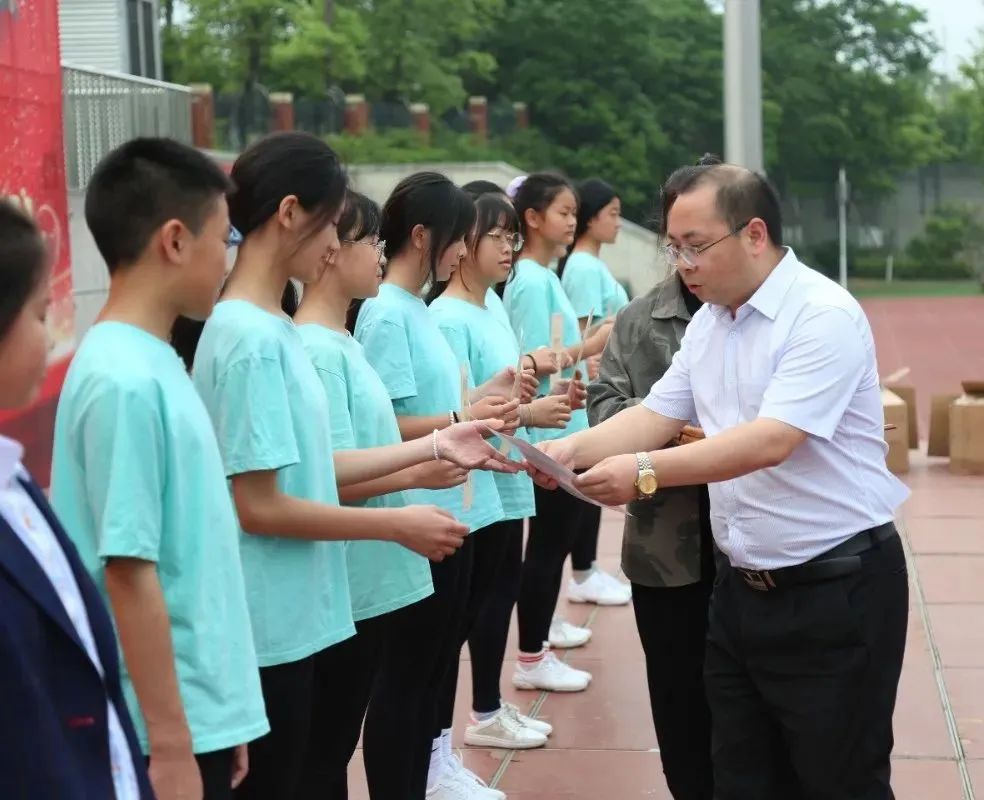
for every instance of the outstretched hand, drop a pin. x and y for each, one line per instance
(464, 444)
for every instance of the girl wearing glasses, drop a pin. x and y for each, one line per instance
(425, 222)
(547, 209)
(593, 291)
(482, 339)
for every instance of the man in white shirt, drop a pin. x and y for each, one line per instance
(807, 627)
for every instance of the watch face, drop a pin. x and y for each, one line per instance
(647, 483)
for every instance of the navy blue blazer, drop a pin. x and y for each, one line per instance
(54, 740)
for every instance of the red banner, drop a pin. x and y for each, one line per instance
(32, 173)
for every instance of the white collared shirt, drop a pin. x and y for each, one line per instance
(799, 351)
(27, 521)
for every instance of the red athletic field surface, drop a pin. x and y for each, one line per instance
(603, 747)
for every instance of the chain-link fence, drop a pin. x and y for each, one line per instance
(104, 109)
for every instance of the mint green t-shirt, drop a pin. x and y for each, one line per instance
(421, 373)
(489, 346)
(494, 304)
(136, 473)
(531, 299)
(383, 576)
(270, 412)
(591, 286)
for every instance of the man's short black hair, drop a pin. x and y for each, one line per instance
(141, 185)
(742, 195)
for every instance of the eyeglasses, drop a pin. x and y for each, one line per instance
(234, 239)
(690, 254)
(379, 247)
(513, 240)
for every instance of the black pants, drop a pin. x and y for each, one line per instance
(276, 760)
(672, 626)
(487, 640)
(584, 551)
(488, 556)
(802, 683)
(552, 533)
(441, 619)
(216, 771)
(344, 677)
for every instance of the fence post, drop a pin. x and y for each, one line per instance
(283, 110)
(478, 118)
(356, 114)
(421, 120)
(202, 116)
(522, 113)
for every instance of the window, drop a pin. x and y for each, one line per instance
(141, 32)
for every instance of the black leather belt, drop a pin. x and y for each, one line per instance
(835, 563)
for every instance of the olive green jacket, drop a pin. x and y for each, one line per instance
(661, 543)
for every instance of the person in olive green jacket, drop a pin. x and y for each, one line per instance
(667, 550)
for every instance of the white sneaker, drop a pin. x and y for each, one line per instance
(473, 786)
(563, 635)
(537, 725)
(599, 588)
(505, 731)
(450, 787)
(551, 675)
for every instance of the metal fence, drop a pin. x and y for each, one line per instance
(104, 109)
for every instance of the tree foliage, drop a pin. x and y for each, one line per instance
(624, 89)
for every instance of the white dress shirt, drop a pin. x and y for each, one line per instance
(27, 521)
(799, 351)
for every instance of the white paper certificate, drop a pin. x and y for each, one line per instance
(556, 470)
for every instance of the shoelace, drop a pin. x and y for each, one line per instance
(457, 767)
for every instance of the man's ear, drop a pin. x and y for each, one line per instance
(174, 238)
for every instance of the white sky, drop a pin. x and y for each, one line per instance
(957, 25)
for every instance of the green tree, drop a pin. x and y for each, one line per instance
(847, 84)
(418, 50)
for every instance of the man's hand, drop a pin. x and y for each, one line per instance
(611, 481)
(174, 774)
(560, 450)
(240, 765)
(689, 434)
(430, 531)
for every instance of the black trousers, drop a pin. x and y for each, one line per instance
(584, 551)
(552, 534)
(216, 771)
(442, 618)
(344, 677)
(487, 639)
(276, 760)
(802, 683)
(672, 625)
(489, 546)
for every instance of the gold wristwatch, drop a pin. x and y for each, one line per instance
(646, 483)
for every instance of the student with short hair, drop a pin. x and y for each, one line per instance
(138, 478)
(64, 729)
